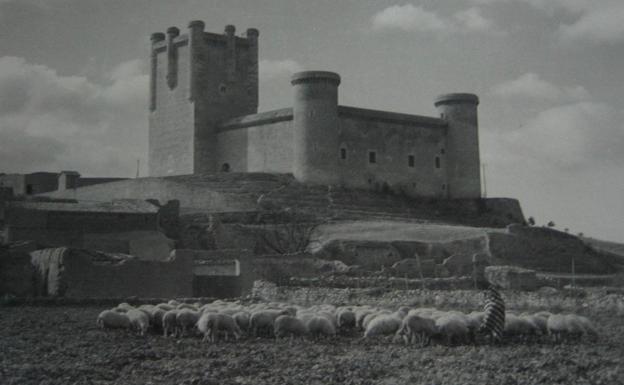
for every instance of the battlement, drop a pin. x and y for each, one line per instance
(204, 119)
(198, 79)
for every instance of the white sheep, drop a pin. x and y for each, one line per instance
(262, 322)
(207, 326)
(169, 323)
(109, 319)
(516, 326)
(156, 320)
(146, 308)
(138, 320)
(345, 319)
(288, 326)
(372, 316)
(588, 326)
(186, 320)
(578, 326)
(383, 325)
(414, 327)
(537, 323)
(557, 326)
(320, 326)
(211, 324)
(360, 316)
(330, 317)
(123, 307)
(187, 306)
(165, 306)
(242, 320)
(452, 329)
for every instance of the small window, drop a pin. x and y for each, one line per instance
(343, 153)
(29, 189)
(372, 157)
(410, 161)
(437, 162)
(442, 151)
(222, 89)
(443, 187)
(225, 167)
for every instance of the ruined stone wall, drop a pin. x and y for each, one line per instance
(77, 274)
(67, 228)
(16, 273)
(163, 190)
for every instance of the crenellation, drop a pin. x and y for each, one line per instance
(204, 119)
(172, 57)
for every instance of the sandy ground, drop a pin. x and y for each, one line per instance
(61, 345)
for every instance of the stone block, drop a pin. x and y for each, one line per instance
(411, 268)
(511, 277)
(16, 273)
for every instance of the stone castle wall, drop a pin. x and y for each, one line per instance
(172, 133)
(200, 81)
(409, 152)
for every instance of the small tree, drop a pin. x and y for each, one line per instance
(285, 231)
(531, 221)
(550, 224)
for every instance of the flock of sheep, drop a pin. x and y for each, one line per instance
(223, 320)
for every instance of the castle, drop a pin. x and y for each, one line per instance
(204, 119)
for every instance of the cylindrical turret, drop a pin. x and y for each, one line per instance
(462, 144)
(172, 57)
(155, 38)
(315, 124)
(196, 30)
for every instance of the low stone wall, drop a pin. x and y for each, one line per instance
(511, 277)
(16, 273)
(78, 273)
(595, 300)
(146, 245)
(332, 281)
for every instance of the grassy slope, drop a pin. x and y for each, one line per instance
(398, 231)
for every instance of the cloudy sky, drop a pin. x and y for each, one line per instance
(549, 73)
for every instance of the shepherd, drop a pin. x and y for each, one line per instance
(494, 319)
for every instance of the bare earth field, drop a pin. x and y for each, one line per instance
(61, 345)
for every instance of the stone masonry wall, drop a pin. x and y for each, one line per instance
(172, 132)
(392, 143)
(79, 274)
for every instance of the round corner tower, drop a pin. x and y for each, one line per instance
(315, 123)
(462, 144)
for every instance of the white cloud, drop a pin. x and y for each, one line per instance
(472, 19)
(52, 122)
(271, 69)
(412, 18)
(409, 17)
(601, 25)
(571, 137)
(598, 21)
(530, 85)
